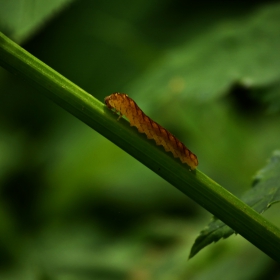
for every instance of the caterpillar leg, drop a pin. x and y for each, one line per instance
(119, 117)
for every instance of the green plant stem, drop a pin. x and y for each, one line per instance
(210, 195)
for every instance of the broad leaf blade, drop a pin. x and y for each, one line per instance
(265, 192)
(20, 19)
(205, 67)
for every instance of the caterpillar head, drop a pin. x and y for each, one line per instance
(107, 101)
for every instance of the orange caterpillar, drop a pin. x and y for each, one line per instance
(126, 106)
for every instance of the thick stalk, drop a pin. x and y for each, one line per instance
(217, 200)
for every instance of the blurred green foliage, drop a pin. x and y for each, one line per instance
(265, 192)
(209, 72)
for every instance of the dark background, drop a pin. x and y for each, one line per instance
(75, 206)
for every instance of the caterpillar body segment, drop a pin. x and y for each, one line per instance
(126, 106)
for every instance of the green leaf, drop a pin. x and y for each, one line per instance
(242, 49)
(265, 192)
(20, 18)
